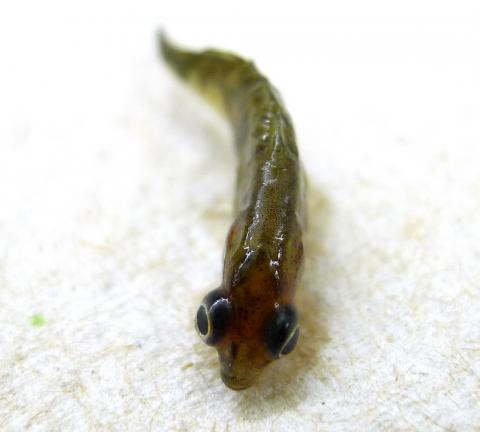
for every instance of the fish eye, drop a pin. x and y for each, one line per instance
(282, 331)
(212, 317)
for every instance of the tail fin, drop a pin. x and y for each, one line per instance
(181, 61)
(215, 74)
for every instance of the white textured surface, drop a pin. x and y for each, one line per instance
(115, 192)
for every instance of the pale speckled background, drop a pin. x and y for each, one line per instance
(115, 193)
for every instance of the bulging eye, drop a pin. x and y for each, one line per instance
(282, 331)
(212, 317)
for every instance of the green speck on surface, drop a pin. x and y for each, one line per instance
(38, 320)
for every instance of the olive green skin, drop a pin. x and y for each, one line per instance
(264, 249)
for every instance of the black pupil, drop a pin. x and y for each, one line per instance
(281, 331)
(290, 345)
(202, 320)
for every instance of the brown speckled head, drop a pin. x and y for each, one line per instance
(251, 323)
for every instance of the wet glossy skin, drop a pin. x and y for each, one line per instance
(250, 318)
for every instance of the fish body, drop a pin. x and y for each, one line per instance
(251, 318)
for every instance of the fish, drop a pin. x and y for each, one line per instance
(251, 318)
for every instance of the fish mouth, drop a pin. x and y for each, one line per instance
(235, 382)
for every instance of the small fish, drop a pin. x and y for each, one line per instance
(251, 318)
